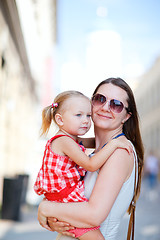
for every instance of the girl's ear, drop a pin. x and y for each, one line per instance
(59, 119)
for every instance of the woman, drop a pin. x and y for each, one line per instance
(113, 184)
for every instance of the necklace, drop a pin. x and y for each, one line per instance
(117, 136)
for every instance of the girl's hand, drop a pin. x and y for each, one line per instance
(60, 227)
(123, 143)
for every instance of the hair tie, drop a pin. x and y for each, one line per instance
(54, 104)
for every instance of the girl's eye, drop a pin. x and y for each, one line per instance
(78, 115)
(89, 115)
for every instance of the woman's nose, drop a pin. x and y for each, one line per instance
(106, 106)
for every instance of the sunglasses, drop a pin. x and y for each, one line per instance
(98, 100)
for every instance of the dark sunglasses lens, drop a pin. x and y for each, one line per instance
(116, 106)
(98, 100)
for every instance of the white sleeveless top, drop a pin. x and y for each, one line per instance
(110, 227)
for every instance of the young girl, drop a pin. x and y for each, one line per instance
(65, 162)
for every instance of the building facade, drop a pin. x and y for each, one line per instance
(148, 98)
(20, 95)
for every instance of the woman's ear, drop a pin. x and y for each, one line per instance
(127, 117)
(59, 119)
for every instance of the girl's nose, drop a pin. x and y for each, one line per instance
(86, 119)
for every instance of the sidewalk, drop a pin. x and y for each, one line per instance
(26, 229)
(147, 224)
(147, 221)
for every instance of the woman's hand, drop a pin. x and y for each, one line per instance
(60, 227)
(52, 223)
(43, 221)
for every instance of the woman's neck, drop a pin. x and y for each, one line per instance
(103, 136)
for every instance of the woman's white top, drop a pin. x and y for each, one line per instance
(110, 226)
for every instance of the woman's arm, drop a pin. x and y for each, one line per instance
(92, 213)
(87, 142)
(71, 149)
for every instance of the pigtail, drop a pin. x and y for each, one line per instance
(47, 116)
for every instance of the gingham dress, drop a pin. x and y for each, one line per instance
(59, 178)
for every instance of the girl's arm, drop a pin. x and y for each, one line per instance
(92, 213)
(71, 149)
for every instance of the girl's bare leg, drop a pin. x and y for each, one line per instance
(92, 235)
(63, 237)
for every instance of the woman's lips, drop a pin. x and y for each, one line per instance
(104, 116)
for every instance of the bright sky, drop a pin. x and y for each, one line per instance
(103, 38)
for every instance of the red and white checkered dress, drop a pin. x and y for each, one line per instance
(59, 177)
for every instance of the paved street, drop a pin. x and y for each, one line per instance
(147, 221)
(147, 215)
(27, 229)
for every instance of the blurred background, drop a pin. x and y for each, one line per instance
(48, 46)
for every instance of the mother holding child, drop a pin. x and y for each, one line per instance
(93, 207)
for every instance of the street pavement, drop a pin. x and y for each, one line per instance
(147, 225)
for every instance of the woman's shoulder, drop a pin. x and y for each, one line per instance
(121, 155)
(121, 162)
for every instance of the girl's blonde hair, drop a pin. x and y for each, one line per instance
(49, 112)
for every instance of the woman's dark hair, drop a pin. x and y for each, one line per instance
(131, 127)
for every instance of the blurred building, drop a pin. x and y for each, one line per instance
(148, 99)
(22, 80)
